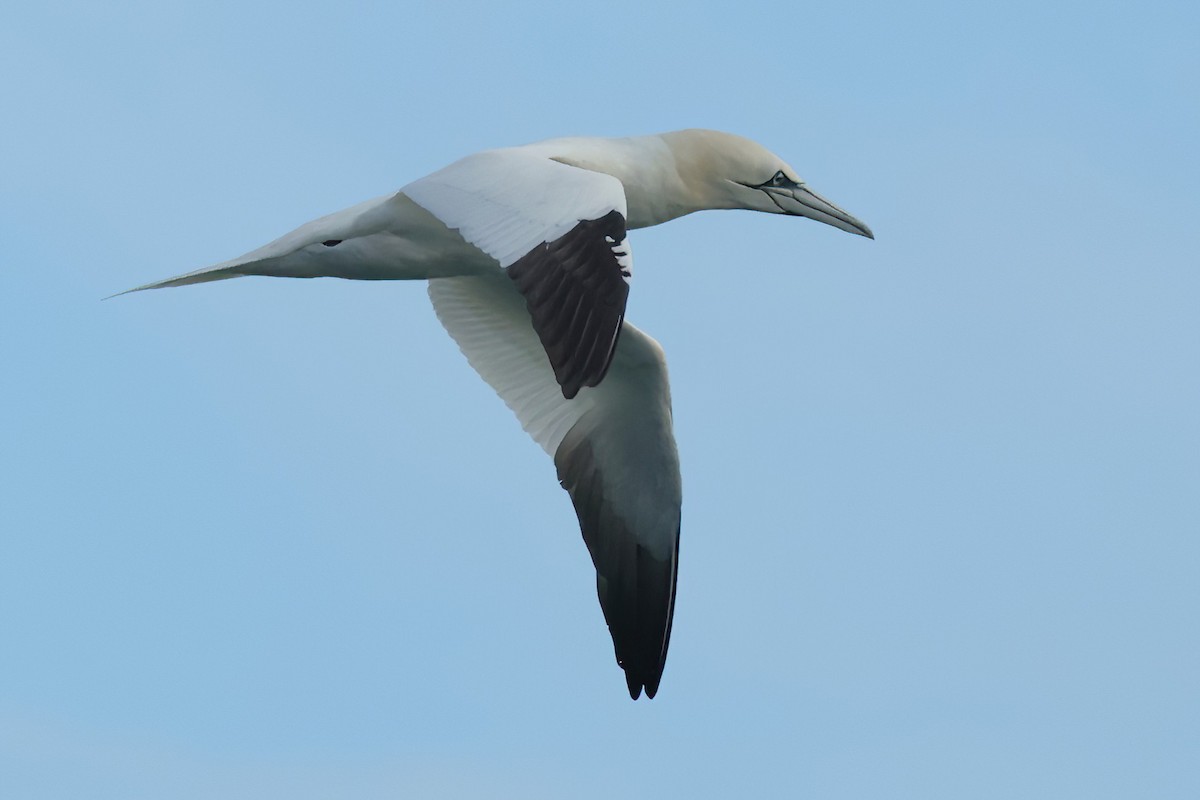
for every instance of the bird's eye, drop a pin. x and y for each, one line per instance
(780, 179)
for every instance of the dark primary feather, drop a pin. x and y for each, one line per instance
(575, 292)
(636, 589)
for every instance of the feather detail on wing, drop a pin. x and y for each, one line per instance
(614, 450)
(560, 232)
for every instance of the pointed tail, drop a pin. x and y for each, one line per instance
(312, 250)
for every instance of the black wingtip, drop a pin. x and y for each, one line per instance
(637, 683)
(571, 384)
(636, 586)
(575, 289)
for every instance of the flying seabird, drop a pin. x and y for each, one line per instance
(528, 262)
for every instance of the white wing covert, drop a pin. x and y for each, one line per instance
(559, 232)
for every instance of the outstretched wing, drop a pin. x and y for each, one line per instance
(560, 233)
(615, 453)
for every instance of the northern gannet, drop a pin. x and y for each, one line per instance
(529, 267)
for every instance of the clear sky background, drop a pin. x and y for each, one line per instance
(269, 538)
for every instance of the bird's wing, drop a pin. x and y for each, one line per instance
(615, 453)
(559, 231)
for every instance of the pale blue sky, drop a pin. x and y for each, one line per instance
(270, 538)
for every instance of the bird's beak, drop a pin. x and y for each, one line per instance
(800, 201)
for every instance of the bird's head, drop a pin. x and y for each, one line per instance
(722, 170)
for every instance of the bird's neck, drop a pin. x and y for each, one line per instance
(646, 166)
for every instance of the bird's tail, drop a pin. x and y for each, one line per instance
(339, 245)
(218, 272)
